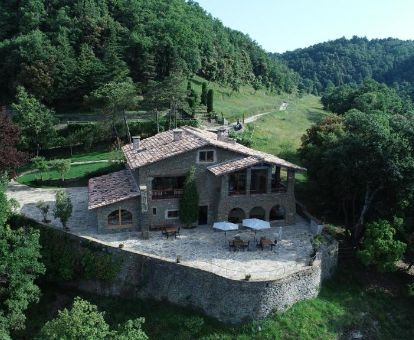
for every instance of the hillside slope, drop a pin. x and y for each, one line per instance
(63, 50)
(345, 61)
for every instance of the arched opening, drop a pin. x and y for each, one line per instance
(258, 212)
(120, 218)
(236, 215)
(277, 213)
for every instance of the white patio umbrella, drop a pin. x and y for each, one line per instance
(225, 226)
(255, 224)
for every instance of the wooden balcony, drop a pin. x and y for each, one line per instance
(167, 194)
(279, 188)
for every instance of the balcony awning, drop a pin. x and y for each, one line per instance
(235, 165)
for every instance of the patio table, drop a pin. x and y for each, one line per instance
(240, 244)
(265, 242)
(170, 231)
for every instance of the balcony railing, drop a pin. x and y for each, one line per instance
(167, 194)
(278, 187)
(237, 192)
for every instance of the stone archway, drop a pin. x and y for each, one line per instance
(236, 215)
(277, 213)
(258, 212)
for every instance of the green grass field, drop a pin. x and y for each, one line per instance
(80, 171)
(345, 304)
(247, 101)
(280, 132)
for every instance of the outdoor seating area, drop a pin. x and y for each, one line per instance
(234, 254)
(202, 247)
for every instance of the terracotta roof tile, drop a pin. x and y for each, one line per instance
(111, 188)
(162, 146)
(234, 165)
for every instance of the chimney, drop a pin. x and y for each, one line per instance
(178, 134)
(221, 133)
(136, 141)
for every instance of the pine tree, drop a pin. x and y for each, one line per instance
(210, 101)
(204, 91)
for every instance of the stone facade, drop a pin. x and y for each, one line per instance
(150, 212)
(131, 205)
(213, 190)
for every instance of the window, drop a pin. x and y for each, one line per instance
(120, 218)
(167, 187)
(277, 185)
(206, 156)
(171, 214)
(154, 211)
(237, 183)
(258, 181)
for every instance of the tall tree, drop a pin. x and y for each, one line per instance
(189, 201)
(113, 99)
(359, 157)
(10, 156)
(35, 121)
(210, 101)
(19, 267)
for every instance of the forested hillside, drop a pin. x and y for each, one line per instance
(62, 50)
(347, 61)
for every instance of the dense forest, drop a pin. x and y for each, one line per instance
(62, 50)
(350, 61)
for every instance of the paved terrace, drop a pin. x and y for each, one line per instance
(201, 247)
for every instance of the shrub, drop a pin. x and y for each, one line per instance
(317, 242)
(62, 166)
(44, 209)
(379, 248)
(189, 201)
(63, 207)
(41, 165)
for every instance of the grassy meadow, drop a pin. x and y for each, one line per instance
(246, 101)
(280, 132)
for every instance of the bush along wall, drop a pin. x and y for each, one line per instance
(67, 258)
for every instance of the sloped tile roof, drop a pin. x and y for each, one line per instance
(162, 146)
(111, 188)
(233, 165)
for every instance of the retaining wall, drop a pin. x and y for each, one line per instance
(227, 300)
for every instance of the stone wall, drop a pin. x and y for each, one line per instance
(131, 205)
(227, 300)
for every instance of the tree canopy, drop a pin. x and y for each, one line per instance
(19, 267)
(67, 49)
(84, 321)
(351, 61)
(362, 163)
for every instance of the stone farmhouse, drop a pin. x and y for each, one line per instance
(234, 182)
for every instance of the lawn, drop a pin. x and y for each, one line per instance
(77, 175)
(280, 132)
(246, 101)
(349, 303)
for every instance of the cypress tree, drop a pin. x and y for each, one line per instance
(204, 91)
(210, 101)
(189, 201)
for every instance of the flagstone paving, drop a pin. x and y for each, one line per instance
(201, 247)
